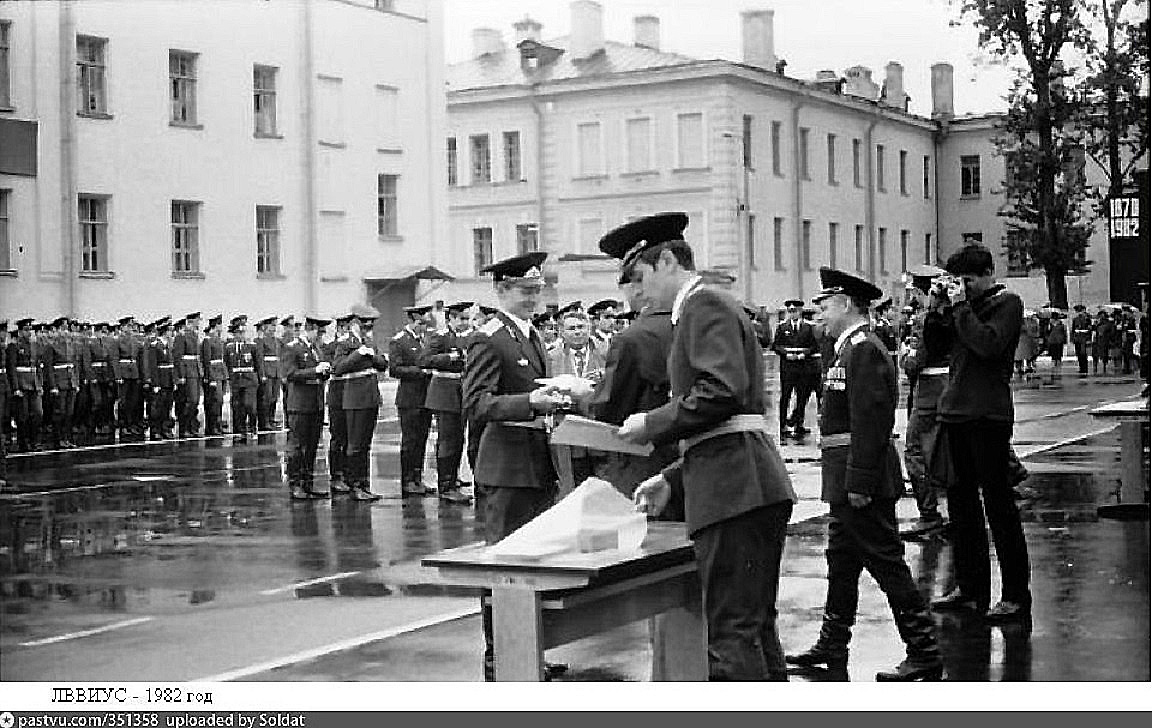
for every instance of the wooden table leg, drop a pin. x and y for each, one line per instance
(680, 641)
(562, 458)
(516, 635)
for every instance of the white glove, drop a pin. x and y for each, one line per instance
(323, 367)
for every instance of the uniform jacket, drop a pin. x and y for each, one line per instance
(636, 370)
(100, 353)
(404, 352)
(186, 355)
(500, 370)
(129, 347)
(1105, 330)
(5, 382)
(244, 367)
(212, 359)
(56, 357)
(1082, 329)
(22, 360)
(860, 400)
(716, 371)
(268, 349)
(305, 387)
(563, 361)
(159, 367)
(359, 373)
(886, 332)
(444, 355)
(799, 351)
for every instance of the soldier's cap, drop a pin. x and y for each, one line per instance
(541, 319)
(194, 316)
(488, 310)
(319, 323)
(629, 240)
(363, 312)
(750, 310)
(101, 325)
(162, 324)
(414, 310)
(834, 282)
(215, 320)
(1078, 307)
(793, 303)
(519, 269)
(59, 321)
(460, 306)
(149, 327)
(626, 315)
(85, 325)
(241, 319)
(922, 275)
(607, 303)
(571, 306)
(178, 323)
(883, 305)
(270, 321)
(21, 323)
(288, 320)
(125, 320)
(907, 309)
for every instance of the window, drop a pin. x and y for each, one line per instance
(453, 179)
(903, 172)
(832, 159)
(747, 141)
(806, 245)
(859, 248)
(905, 241)
(882, 244)
(588, 149)
(589, 233)
(927, 248)
(264, 100)
(267, 239)
(880, 168)
(927, 186)
(185, 237)
(5, 243)
(1017, 251)
(833, 240)
(481, 158)
(386, 223)
(751, 241)
(512, 171)
(804, 154)
(856, 162)
(90, 85)
(330, 111)
(387, 119)
(638, 136)
(482, 248)
(182, 78)
(776, 149)
(527, 238)
(970, 175)
(690, 140)
(778, 243)
(93, 216)
(5, 73)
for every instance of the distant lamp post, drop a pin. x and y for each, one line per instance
(744, 218)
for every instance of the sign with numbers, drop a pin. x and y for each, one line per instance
(1124, 217)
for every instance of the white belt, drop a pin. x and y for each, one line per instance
(355, 375)
(26, 370)
(243, 369)
(839, 439)
(127, 361)
(190, 356)
(61, 366)
(271, 358)
(447, 375)
(166, 366)
(933, 371)
(215, 361)
(99, 363)
(736, 423)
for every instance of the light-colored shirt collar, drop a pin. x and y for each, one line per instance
(682, 296)
(847, 333)
(524, 326)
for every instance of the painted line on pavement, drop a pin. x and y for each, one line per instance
(86, 632)
(133, 443)
(341, 645)
(1029, 452)
(310, 582)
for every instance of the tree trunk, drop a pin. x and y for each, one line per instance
(1057, 288)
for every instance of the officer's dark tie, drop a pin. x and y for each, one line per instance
(580, 355)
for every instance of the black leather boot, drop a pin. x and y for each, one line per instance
(831, 649)
(923, 661)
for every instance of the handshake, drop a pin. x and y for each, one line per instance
(323, 367)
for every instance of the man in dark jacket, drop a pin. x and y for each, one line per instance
(796, 345)
(268, 393)
(444, 357)
(305, 372)
(215, 376)
(359, 365)
(738, 495)
(983, 320)
(1082, 337)
(404, 352)
(861, 481)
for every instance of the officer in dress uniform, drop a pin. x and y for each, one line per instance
(103, 350)
(268, 349)
(304, 373)
(160, 379)
(359, 364)
(57, 354)
(861, 482)
(602, 318)
(549, 328)
(215, 376)
(129, 395)
(885, 331)
(796, 345)
(82, 338)
(738, 494)
(1082, 337)
(404, 353)
(337, 422)
(5, 388)
(289, 331)
(514, 467)
(245, 372)
(444, 356)
(483, 315)
(186, 352)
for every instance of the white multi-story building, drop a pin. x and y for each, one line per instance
(551, 144)
(230, 156)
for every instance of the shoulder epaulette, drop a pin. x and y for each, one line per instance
(491, 327)
(857, 338)
(398, 335)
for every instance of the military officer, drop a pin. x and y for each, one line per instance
(245, 372)
(885, 331)
(602, 317)
(549, 329)
(304, 373)
(100, 364)
(82, 338)
(190, 379)
(215, 376)
(268, 349)
(359, 364)
(57, 356)
(1082, 337)
(404, 352)
(481, 316)
(738, 495)
(796, 345)
(129, 395)
(444, 356)
(5, 389)
(861, 482)
(337, 422)
(159, 379)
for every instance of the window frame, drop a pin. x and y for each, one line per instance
(5, 226)
(585, 170)
(268, 97)
(777, 164)
(186, 83)
(927, 177)
(833, 243)
(880, 183)
(861, 243)
(746, 140)
(882, 249)
(927, 248)
(387, 205)
(505, 138)
(905, 243)
(452, 158)
(485, 168)
(90, 70)
(482, 258)
(903, 172)
(268, 241)
(831, 149)
(806, 245)
(185, 234)
(99, 226)
(650, 142)
(522, 234)
(778, 262)
(856, 176)
(970, 187)
(5, 64)
(679, 152)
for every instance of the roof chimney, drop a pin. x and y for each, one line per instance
(486, 42)
(893, 93)
(860, 83)
(942, 107)
(587, 35)
(647, 31)
(757, 30)
(526, 29)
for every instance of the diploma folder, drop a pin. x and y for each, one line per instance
(580, 431)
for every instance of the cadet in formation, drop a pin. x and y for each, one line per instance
(215, 376)
(159, 379)
(304, 373)
(404, 353)
(245, 372)
(268, 393)
(444, 357)
(357, 364)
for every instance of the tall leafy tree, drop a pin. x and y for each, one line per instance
(1044, 189)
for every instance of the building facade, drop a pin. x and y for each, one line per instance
(294, 171)
(551, 144)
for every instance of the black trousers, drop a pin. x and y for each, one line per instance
(980, 456)
(802, 387)
(103, 398)
(337, 439)
(414, 425)
(475, 430)
(361, 425)
(1082, 357)
(266, 397)
(866, 539)
(130, 406)
(303, 440)
(449, 445)
(213, 407)
(160, 410)
(62, 408)
(188, 405)
(243, 408)
(739, 562)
